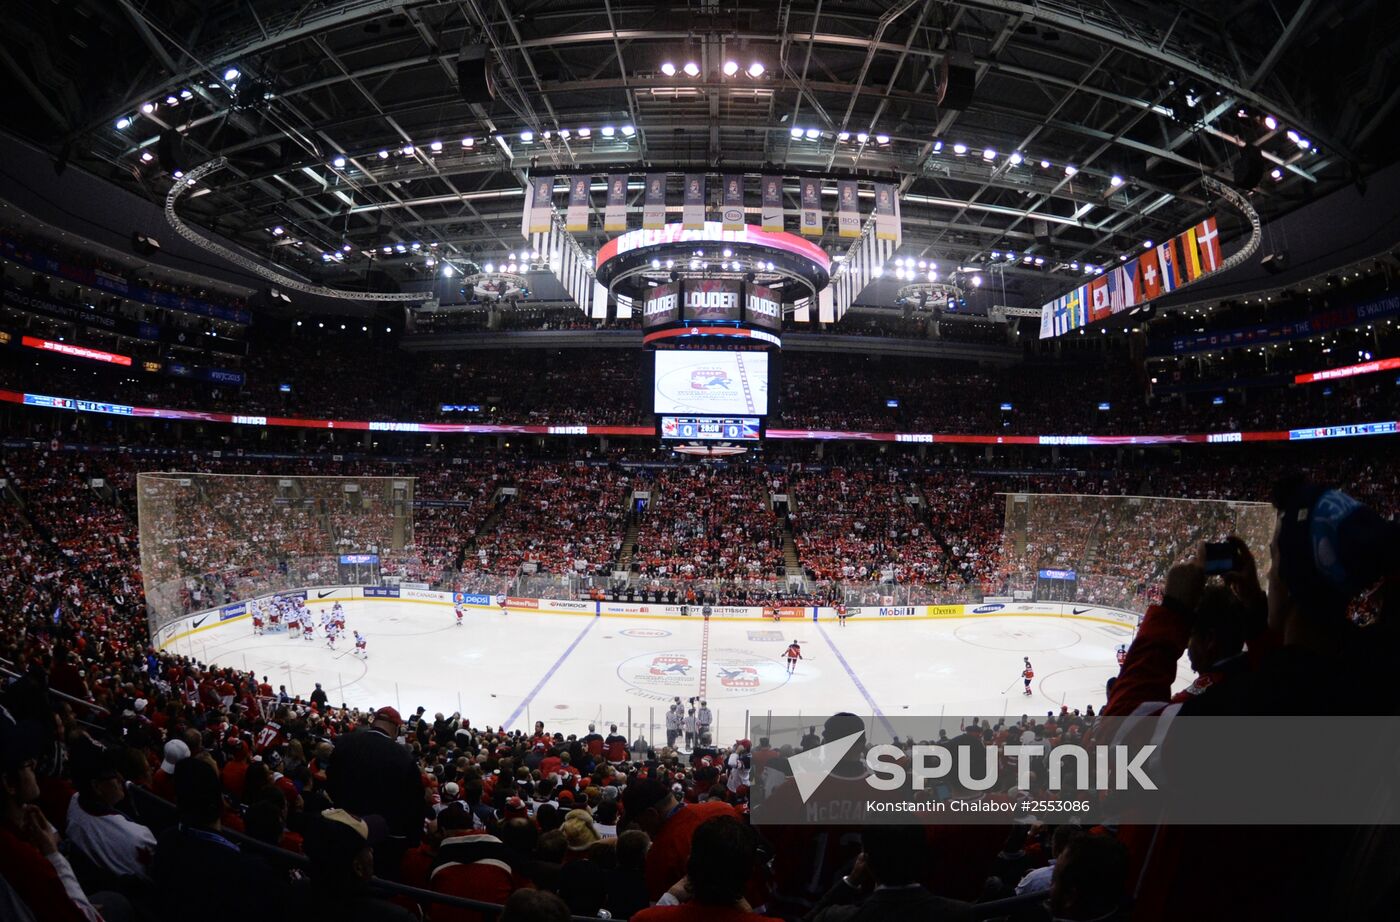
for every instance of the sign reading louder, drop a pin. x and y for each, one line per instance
(77, 352)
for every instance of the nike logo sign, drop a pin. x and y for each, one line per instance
(1080, 611)
(322, 595)
(201, 621)
(809, 769)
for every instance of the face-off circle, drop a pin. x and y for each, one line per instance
(731, 673)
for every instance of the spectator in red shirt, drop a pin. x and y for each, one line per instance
(653, 807)
(723, 856)
(162, 782)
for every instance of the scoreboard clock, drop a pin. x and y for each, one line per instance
(711, 428)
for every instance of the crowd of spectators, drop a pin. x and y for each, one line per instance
(709, 523)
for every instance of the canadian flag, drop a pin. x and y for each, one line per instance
(1099, 300)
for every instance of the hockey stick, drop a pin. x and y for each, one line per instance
(1011, 686)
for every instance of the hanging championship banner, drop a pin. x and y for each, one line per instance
(654, 204)
(577, 217)
(693, 212)
(733, 213)
(847, 209)
(615, 217)
(772, 211)
(886, 212)
(541, 205)
(811, 224)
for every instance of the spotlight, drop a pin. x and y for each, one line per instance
(278, 231)
(527, 136)
(1270, 122)
(656, 264)
(172, 101)
(959, 149)
(1045, 164)
(436, 146)
(383, 155)
(546, 136)
(843, 136)
(231, 75)
(468, 142)
(608, 131)
(1303, 143)
(123, 123)
(938, 147)
(489, 268)
(628, 131)
(346, 248)
(862, 137)
(186, 94)
(1276, 173)
(178, 173)
(813, 134)
(338, 163)
(756, 69)
(408, 150)
(796, 132)
(1147, 244)
(691, 69)
(977, 281)
(148, 107)
(668, 68)
(147, 156)
(388, 249)
(988, 154)
(564, 134)
(1014, 159)
(584, 132)
(882, 139)
(446, 270)
(1070, 169)
(731, 68)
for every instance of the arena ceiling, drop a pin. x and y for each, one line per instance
(1127, 104)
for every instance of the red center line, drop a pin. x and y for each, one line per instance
(704, 658)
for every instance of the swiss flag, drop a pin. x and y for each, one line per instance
(1099, 301)
(1149, 276)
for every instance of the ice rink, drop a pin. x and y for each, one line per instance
(569, 670)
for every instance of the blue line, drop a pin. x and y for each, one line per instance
(855, 679)
(548, 675)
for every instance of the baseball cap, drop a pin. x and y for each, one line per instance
(566, 797)
(388, 713)
(450, 789)
(19, 742)
(454, 816)
(175, 752)
(1331, 546)
(514, 809)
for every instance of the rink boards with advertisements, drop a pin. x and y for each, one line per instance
(572, 662)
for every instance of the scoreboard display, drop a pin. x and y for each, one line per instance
(711, 428)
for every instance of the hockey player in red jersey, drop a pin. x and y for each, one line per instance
(842, 613)
(1027, 673)
(793, 654)
(1122, 653)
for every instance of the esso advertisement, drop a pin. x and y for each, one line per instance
(711, 383)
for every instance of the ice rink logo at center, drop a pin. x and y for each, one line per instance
(730, 673)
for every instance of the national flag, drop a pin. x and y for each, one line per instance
(1077, 300)
(1208, 239)
(1150, 276)
(1129, 275)
(1061, 315)
(1115, 290)
(1166, 261)
(1190, 256)
(1047, 321)
(1099, 307)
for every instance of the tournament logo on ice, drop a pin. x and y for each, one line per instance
(739, 677)
(730, 673)
(668, 664)
(706, 378)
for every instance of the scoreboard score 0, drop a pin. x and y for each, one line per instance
(711, 428)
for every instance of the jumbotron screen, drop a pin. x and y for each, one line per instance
(711, 383)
